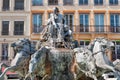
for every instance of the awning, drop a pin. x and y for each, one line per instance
(8, 72)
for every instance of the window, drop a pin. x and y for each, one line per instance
(19, 4)
(84, 23)
(5, 27)
(116, 50)
(99, 22)
(115, 22)
(52, 2)
(18, 27)
(68, 2)
(84, 43)
(37, 2)
(69, 20)
(113, 2)
(83, 2)
(98, 2)
(5, 51)
(37, 23)
(5, 5)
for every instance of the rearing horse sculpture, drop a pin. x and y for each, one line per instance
(19, 64)
(99, 47)
(99, 58)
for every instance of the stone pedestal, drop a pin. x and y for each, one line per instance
(61, 61)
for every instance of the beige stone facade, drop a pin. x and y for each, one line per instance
(12, 15)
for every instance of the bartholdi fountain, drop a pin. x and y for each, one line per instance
(58, 57)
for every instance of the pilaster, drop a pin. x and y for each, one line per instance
(11, 28)
(0, 52)
(12, 4)
(91, 19)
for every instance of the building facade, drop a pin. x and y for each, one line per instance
(14, 24)
(87, 19)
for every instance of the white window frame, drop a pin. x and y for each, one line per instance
(69, 20)
(84, 27)
(37, 29)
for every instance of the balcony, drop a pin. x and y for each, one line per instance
(37, 29)
(82, 29)
(52, 4)
(97, 29)
(35, 4)
(18, 8)
(68, 2)
(5, 32)
(113, 4)
(4, 58)
(115, 29)
(18, 32)
(85, 29)
(100, 28)
(5, 8)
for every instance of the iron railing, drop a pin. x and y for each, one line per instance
(85, 29)
(37, 4)
(19, 8)
(19, 32)
(38, 29)
(97, 29)
(68, 2)
(5, 32)
(5, 8)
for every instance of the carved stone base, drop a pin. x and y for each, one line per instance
(61, 60)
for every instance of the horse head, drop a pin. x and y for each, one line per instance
(85, 61)
(101, 45)
(106, 43)
(23, 45)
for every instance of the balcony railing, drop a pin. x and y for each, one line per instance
(18, 8)
(37, 29)
(5, 32)
(5, 8)
(85, 29)
(100, 28)
(113, 4)
(97, 29)
(52, 3)
(18, 32)
(115, 29)
(82, 28)
(4, 58)
(80, 4)
(35, 4)
(68, 3)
